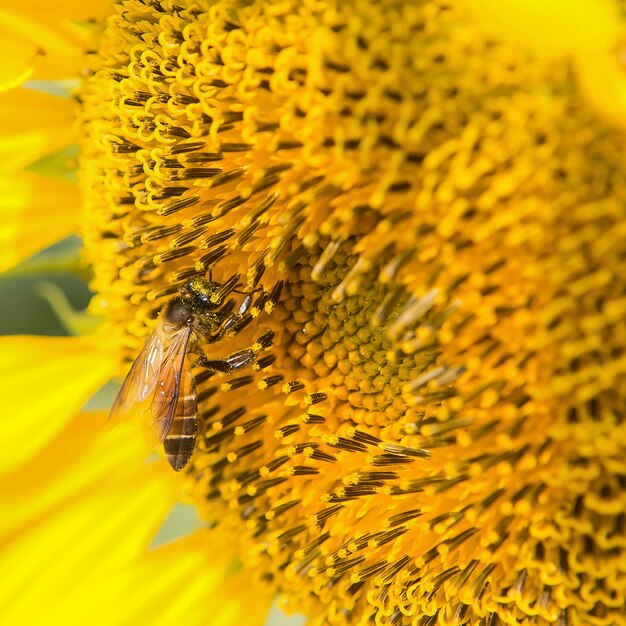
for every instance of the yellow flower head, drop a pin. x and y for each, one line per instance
(430, 218)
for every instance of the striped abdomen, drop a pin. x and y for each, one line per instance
(181, 438)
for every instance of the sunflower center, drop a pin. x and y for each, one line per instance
(431, 437)
(344, 344)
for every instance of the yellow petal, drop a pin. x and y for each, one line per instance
(83, 454)
(63, 562)
(62, 9)
(86, 504)
(32, 124)
(31, 48)
(588, 32)
(603, 80)
(187, 582)
(18, 66)
(44, 381)
(552, 28)
(36, 212)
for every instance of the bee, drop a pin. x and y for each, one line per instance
(160, 387)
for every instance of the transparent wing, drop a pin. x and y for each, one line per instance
(157, 418)
(142, 377)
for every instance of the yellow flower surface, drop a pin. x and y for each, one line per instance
(44, 40)
(589, 33)
(70, 374)
(428, 200)
(37, 210)
(40, 125)
(28, 221)
(435, 436)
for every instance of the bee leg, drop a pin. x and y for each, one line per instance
(221, 331)
(235, 321)
(235, 361)
(213, 365)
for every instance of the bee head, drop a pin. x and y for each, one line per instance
(178, 311)
(200, 290)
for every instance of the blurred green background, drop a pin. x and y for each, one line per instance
(26, 292)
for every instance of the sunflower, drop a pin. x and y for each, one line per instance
(426, 202)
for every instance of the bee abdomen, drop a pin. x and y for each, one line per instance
(181, 439)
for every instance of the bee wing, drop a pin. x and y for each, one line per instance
(142, 377)
(158, 417)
